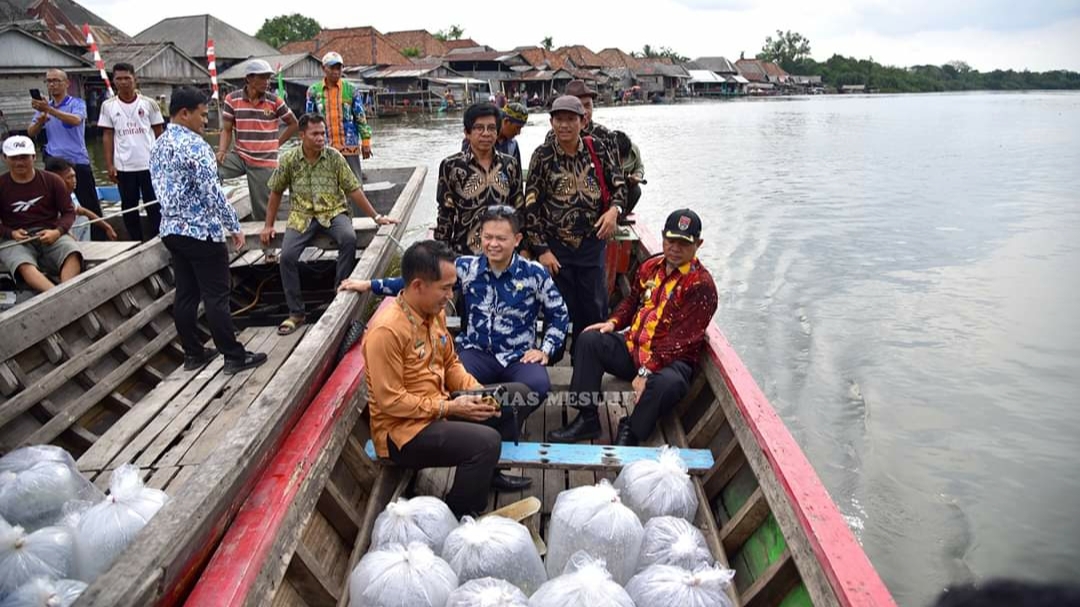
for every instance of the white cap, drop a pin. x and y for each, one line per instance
(257, 66)
(332, 58)
(19, 145)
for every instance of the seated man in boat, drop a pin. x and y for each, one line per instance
(671, 302)
(413, 372)
(474, 179)
(572, 201)
(504, 295)
(35, 216)
(318, 179)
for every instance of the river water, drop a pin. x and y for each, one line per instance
(900, 274)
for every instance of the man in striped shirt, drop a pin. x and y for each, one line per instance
(255, 114)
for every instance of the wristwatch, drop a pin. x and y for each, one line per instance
(643, 371)
(617, 208)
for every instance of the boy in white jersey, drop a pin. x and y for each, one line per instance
(129, 124)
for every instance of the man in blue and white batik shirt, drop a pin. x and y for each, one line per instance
(504, 295)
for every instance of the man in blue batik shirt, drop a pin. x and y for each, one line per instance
(504, 295)
(195, 219)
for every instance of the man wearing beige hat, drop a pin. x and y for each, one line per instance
(336, 98)
(255, 114)
(572, 202)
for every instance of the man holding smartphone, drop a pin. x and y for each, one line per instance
(63, 118)
(412, 372)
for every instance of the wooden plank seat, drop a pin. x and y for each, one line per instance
(580, 457)
(365, 228)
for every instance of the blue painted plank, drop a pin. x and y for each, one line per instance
(584, 457)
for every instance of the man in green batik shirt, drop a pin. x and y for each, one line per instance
(318, 179)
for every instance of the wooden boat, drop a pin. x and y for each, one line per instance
(763, 509)
(94, 366)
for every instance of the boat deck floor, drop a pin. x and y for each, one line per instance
(547, 483)
(170, 432)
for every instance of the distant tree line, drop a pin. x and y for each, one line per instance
(791, 51)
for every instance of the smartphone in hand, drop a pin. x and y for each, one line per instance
(35, 94)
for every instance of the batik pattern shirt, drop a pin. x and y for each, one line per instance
(563, 198)
(346, 121)
(465, 189)
(667, 313)
(502, 308)
(316, 191)
(185, 176)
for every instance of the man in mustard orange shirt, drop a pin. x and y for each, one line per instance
(412, 371)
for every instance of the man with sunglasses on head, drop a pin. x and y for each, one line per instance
(504, 295)
(654, 338)
(476, 178)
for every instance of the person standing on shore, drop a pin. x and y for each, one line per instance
(195, 219)
(254, 113)
(337, 100)
(572, 202)
(63, 118)
(474, 179)
(129, 124)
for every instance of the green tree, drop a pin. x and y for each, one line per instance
(283, 29)
(788, 50)
(411, 51)
(547, 43)
(454, 32)
(664, 52)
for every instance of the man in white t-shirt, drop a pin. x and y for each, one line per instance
(129, 124)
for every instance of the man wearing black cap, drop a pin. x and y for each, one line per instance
(572, 202)
(654, 338)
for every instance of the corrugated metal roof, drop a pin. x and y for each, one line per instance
(720, 65)
(190, 34)
(236, 72)
(705, 77)
(403, 71)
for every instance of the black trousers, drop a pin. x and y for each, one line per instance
(584, 289)
(136, 187)
(473, 448)
(201, 268)
(598, 353)
(633, 195)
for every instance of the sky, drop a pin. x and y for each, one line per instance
(1037, 35)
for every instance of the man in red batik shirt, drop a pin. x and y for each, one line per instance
(653, 337)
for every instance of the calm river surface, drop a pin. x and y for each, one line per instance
(901, 274)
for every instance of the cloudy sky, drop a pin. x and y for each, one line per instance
(988, 34)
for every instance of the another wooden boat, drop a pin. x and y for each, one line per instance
(95, 366)
(763, 509)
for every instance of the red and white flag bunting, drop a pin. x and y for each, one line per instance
(212, 67)
(97, 58)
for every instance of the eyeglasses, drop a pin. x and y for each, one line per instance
(499, 210)
(486, 128)
(54, 80)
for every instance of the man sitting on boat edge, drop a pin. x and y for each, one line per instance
(36, 214)
(318, 179)
(412, 373)
(504, 295)
(671, 302)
